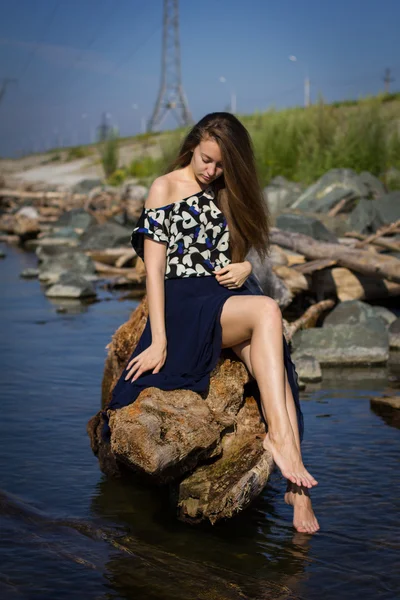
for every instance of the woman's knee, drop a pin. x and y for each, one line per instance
(270, 311)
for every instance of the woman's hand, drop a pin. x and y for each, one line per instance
(234, 275)
(152, 358)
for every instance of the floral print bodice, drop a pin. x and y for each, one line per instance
(195, 232)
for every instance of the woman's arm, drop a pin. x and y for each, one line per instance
(155, 264)
(234, 275)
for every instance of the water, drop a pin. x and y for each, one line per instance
(69, 532)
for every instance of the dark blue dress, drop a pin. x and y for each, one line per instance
(197, 238)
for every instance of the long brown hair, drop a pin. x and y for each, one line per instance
(238, 192)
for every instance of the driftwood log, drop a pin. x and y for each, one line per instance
(208, 449)
(343, 284)
(361, 261)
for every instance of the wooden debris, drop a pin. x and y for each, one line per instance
(314, 265)
(393, 227)
(341, 283)
(294, 281)
(361, 261)
(343, 204)
(22, 194)
(393, 401)
(110, 256)
(309, 318)
(130, 274)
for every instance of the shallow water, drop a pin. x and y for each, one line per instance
(69, 532)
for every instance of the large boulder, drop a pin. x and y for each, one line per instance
(345, 344)
(306, 225)
(72, 286)
(264, 277)
(394, 334)
(388, 207)
(208, 449)
(107, 235)
(86, 185)
(374, 185)
(351, 312)
(365, 217)
(281, 193)
(307, 367)
(57, 260)
(330, 189)
(77, 218)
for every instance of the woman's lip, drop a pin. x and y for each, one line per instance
(208, 178)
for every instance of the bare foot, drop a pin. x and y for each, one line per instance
(288, 459)
(304, 519)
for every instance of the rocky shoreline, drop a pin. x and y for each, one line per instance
(333, 267)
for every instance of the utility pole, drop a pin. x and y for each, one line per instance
(387, 80)
(4, 84)
(171, 96)
(104, 129)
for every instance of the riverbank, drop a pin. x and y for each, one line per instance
(97, 536)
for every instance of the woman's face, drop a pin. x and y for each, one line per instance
(206, 161)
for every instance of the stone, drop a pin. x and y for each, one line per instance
(29, 273)
(345, 344)
(52, 265)
(85, 185)
(131, 191)
(264, 277)
(281, 193)
(28, 211)
(343, 181)
(394, 334)
(351, 312)
(374, 185)
(385, 314)
(107, 235)
(208, 447)
(71, 285)
(365, 218)
(65, 233)
(306, 225)
(308, 368)
(2, 254)
(77, 218)
(388, 208)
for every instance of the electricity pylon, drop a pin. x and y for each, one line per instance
(171, 96)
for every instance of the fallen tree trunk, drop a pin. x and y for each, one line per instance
(362, 261)
(345, 285)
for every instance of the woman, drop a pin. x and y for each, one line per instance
(199, 222)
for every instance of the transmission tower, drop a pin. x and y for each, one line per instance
(171, 96)
(387, 80)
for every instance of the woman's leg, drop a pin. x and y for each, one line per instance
(258, 320)
(304, 519)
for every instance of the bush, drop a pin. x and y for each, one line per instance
(117, 177)
(110, 155)
(144, 167)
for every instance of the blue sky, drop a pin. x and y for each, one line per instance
(75, 59)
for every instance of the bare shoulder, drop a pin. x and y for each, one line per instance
(159, 192)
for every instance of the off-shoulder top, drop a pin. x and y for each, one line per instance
(195, 232)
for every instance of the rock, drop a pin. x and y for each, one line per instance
(388, 208)
(71, 285)
(107, 235)
(85, 185)
(77, 218)
(270, 284)
(385, 314)
(29, 273)
(342, 181)
(59, 261)
(171, 436)
(306, 225)
(351, 312)
(2, 254)
(131, 191)
(26, 227)
(28, 212)
(307, 367)
(345, 344)
(281, 194)
(374, 185)
(394, 335)
(365, 218)
(64, 233)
